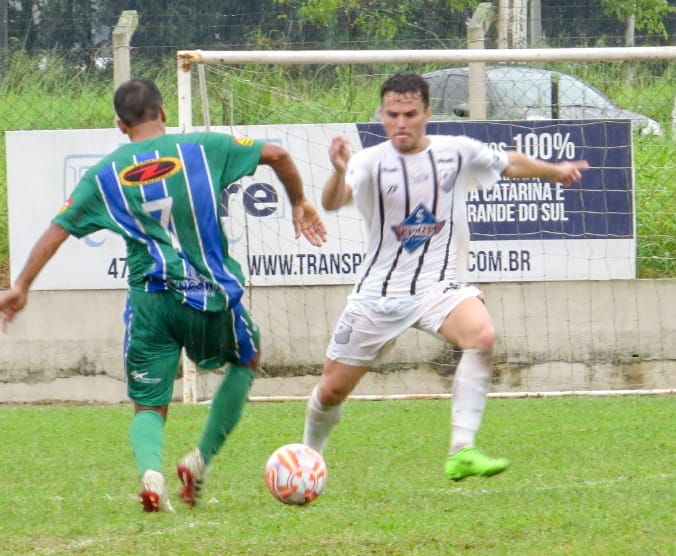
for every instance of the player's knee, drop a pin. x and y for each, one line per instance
(485, 338)
(161, 409)
(331, 394)
(482, 338)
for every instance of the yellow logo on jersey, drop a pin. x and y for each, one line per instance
(150, 171)
(244, 141)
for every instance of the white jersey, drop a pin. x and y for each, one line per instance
(415, 210)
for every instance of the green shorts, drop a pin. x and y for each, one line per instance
(159, 326)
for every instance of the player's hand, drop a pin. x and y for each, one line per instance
(306, 221)
(339, 153)
(11, 302)
(571, 172)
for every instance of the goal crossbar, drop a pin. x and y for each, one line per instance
(345, 57)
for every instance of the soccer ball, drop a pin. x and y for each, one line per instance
(295, 474)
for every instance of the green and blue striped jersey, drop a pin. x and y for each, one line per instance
(161, 195)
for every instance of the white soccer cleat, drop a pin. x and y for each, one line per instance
(153, 495)
(192, 471)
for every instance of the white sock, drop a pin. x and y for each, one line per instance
(470, 387)
(319, 421)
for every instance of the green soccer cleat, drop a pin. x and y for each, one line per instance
(471, 461)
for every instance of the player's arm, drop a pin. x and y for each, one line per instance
(521, 166)
(306, 220)
(14, 299)
(337, 192)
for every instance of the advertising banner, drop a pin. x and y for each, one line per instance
(521, 230)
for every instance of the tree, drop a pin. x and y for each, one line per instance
(383, 22)
(647, 15)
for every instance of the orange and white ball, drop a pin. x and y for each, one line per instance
(295, 474)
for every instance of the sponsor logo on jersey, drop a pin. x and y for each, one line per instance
(417, 228)
(150, 171)
(196, 286)
(244, 141)
(66, 205)
(451, 286)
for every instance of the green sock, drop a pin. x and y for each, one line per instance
(147, 437)
(226, 410)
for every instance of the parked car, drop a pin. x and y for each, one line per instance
(523, 93)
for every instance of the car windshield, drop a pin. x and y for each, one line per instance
(522, 92)
(517, 93)
(447, 92)
(572, 92)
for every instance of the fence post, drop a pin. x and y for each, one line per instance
(122, 34)
(535, 24)
(3, 33)
(476, 35)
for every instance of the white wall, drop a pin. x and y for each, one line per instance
(67, 345)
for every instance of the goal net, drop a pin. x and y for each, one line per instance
(557, 267)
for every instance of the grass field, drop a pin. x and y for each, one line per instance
(589, 477)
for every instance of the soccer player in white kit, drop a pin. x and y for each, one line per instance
(411, 190)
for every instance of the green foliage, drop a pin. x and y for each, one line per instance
(655, 208)
(588, 476)
(379, 19)
(650, 14)
(380, 23)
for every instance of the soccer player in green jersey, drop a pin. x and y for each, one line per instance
(160, 193)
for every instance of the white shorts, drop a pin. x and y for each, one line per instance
(368, 327)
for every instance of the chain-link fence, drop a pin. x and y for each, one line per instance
(62, 88)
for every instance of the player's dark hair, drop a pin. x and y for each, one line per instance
(137, 101)
(407, 82)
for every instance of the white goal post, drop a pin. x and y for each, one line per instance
(198, 59)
